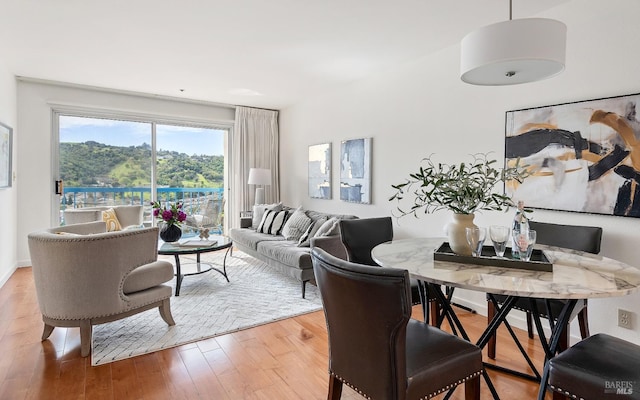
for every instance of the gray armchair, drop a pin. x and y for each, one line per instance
(128, 215)
(85, 276)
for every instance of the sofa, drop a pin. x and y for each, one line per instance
(289, 255)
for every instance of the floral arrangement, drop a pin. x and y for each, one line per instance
(463, 189)
(171, 213)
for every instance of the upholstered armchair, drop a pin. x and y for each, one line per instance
(85, 276)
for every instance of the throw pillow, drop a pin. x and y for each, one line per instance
(272, 222)
(305, 239)
(329, 228)
(109, 216)
(260, 209)
(296, 225)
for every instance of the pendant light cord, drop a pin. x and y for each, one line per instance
(510, 10)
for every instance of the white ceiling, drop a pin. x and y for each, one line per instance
(215, 50)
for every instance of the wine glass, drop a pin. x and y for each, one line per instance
(475, 238)
(524, 242)
(499, 236)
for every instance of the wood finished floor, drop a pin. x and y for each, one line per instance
(279, 361)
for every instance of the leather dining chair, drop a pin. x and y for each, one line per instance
(599, 367)
(575, 237)
(375, 347)
(360, 236)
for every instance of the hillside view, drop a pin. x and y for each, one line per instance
(96, 164)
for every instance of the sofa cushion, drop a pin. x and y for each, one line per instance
(259, 210)
(305, 239)
(111, 219)
(148, 276)
(329, 228)
(296, 225)
(250, 238)
(286, 252)
(273, 222)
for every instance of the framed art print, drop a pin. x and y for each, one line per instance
(583, 156)
(355, 170)
(320, 171)
(5, 155)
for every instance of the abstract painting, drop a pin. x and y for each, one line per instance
(5, 155)
(320, 171)
(583, 156)
(355, 171)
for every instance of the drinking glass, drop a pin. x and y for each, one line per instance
(499, 236)
(524, 243)
(475, 238)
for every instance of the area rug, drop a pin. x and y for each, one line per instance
(208, 306)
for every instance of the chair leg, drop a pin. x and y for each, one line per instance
(563, 343)
(165, 312)
(335, 388)
(434, 312)
(85, 337)
(491, 344)
(472, 388)
(583, 321)
(529, 325)
(304, 288)
(47, 331)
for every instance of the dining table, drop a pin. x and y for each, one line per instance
(575, 277)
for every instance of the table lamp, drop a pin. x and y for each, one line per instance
(259, 176)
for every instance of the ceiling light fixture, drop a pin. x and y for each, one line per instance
(513, 51)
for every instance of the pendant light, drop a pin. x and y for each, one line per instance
(513, 52)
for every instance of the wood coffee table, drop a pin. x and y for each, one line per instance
(174, 249)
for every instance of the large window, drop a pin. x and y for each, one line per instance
(112, 161)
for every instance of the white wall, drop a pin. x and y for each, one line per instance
(8, 197)
(34, 157)
(424, 108)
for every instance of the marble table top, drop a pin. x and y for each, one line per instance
(576, 275)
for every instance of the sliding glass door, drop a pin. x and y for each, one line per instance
(106, 161)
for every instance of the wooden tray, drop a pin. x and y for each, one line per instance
(538, 261)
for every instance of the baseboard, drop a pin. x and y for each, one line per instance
(7, 275)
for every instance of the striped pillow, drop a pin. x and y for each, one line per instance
(305, 239)
(296, 225)
(273, 221)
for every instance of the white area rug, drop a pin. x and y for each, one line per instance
(208, 306)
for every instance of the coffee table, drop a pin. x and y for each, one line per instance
(176, 250)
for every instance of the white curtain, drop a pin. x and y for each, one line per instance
(255, 145)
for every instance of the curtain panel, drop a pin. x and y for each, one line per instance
(255, 145)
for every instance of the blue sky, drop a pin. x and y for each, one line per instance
(189, 140)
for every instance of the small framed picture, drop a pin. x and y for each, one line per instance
(320, 171)
(355, 171)
(6, 137)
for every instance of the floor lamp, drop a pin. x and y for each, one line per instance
(259, 176)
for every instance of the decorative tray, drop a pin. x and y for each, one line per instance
(538, 261)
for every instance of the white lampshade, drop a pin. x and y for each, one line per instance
(259, 176)
(513, 52)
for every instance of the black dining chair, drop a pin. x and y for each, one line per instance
(575, 237)
(360, 236)
(599, 367)
(375, 347)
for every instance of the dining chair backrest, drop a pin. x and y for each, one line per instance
(360, 236)
(576, 237)
(367, 310)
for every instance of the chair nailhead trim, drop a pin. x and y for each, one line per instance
(341, 379)
(566, 393)
(450, 386)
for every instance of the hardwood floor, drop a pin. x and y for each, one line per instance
(282, 360)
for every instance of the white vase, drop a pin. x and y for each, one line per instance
(457, 235)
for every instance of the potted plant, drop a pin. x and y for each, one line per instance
(461, 188)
